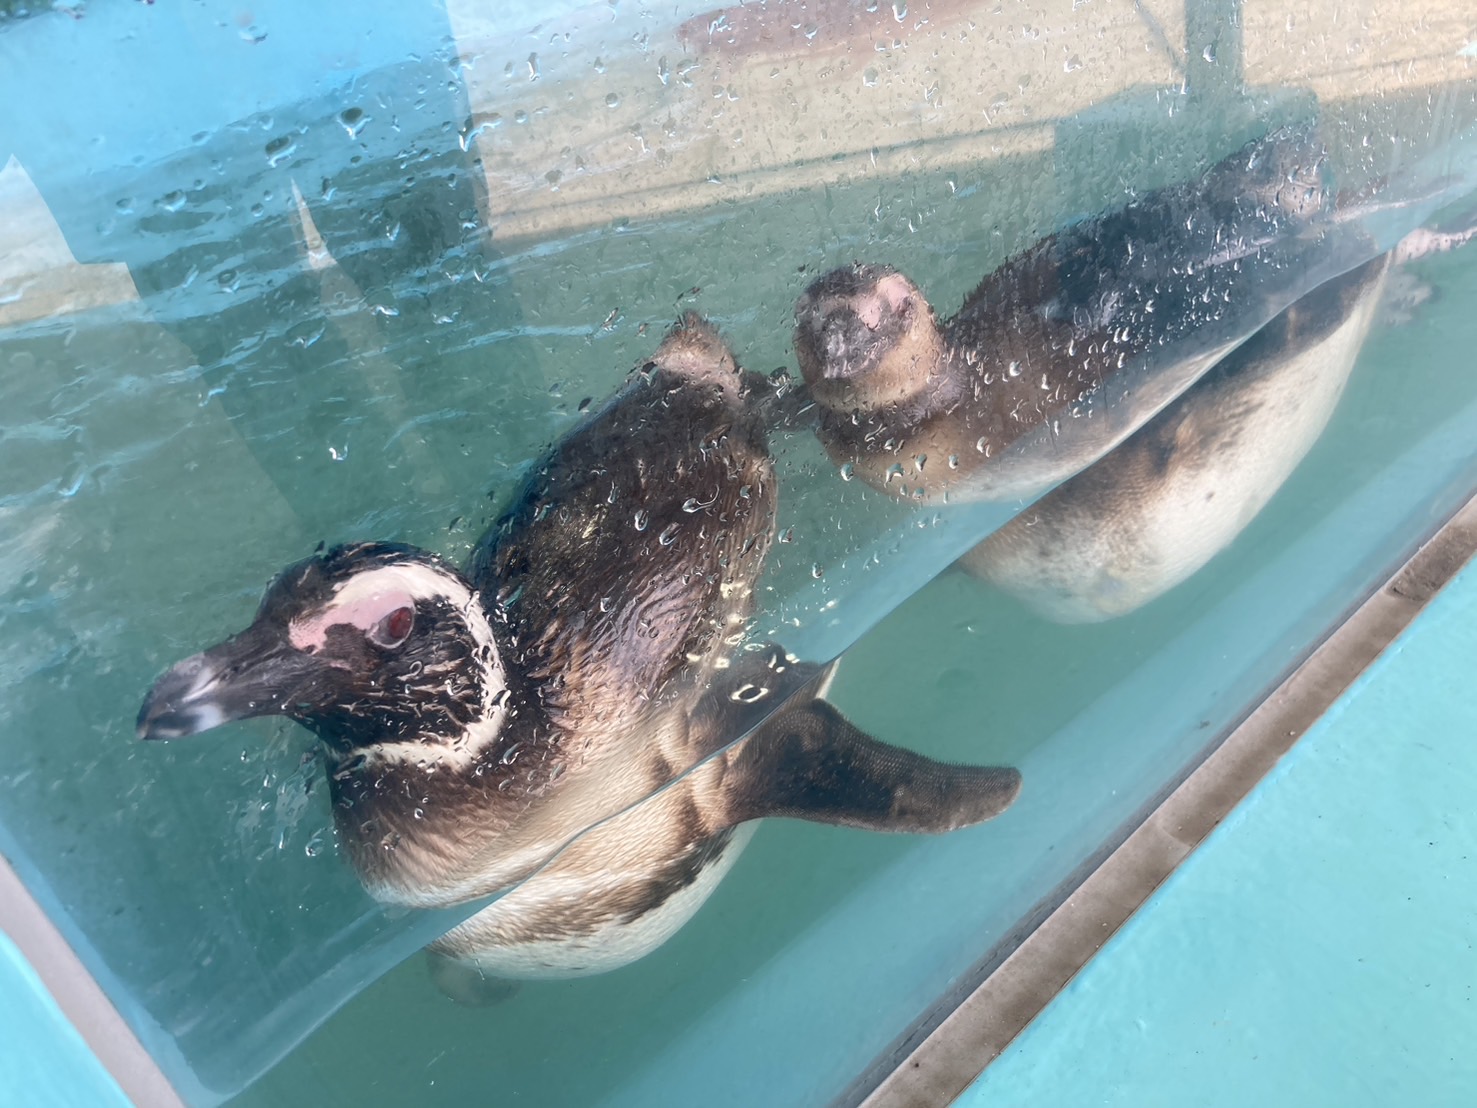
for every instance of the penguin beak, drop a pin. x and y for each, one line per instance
(255, 673)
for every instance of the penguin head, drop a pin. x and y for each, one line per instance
(865, 338)
(372, 646)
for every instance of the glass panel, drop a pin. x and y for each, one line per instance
(306, 275)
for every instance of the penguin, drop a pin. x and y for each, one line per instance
(1058, 354)
(1159, 506)
(1179, 490)
(558, 723)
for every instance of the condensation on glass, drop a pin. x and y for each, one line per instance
(1145, 318)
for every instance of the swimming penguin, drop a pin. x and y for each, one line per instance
(1061, 352)
(558, 716)
(1160, 505)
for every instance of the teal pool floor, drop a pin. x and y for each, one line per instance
(1318, 949)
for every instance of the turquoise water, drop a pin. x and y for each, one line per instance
(164, 457)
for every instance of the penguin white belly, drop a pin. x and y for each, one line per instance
(561, 923)
(1149, 515)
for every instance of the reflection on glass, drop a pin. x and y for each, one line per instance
(1068, 347)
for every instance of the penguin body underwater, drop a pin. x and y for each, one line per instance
(1160, 505)
(1059, 354)
(557, 724)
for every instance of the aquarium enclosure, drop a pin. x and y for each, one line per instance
(577, 382)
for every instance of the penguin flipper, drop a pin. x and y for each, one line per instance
(810, 762)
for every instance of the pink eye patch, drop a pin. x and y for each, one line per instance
(386, 617)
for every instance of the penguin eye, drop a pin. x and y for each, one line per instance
(395, 628)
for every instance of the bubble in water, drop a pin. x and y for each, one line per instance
(71, 481)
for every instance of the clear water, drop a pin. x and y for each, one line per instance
(164, 456)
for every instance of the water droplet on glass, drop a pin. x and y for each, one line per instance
(533, 72)
(816, 571)
(1072, 64)
(1209, 53)
(848, 471)
(606, 603)
(353, 121)
(869, 77)
(313, 846)
(643, 517)
(280, 149)
(1013, 370)
(520, 116)
(668, 535)
(172, 201)
(787, 535)
(612, 100)
(899, 10)
(662, 72)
